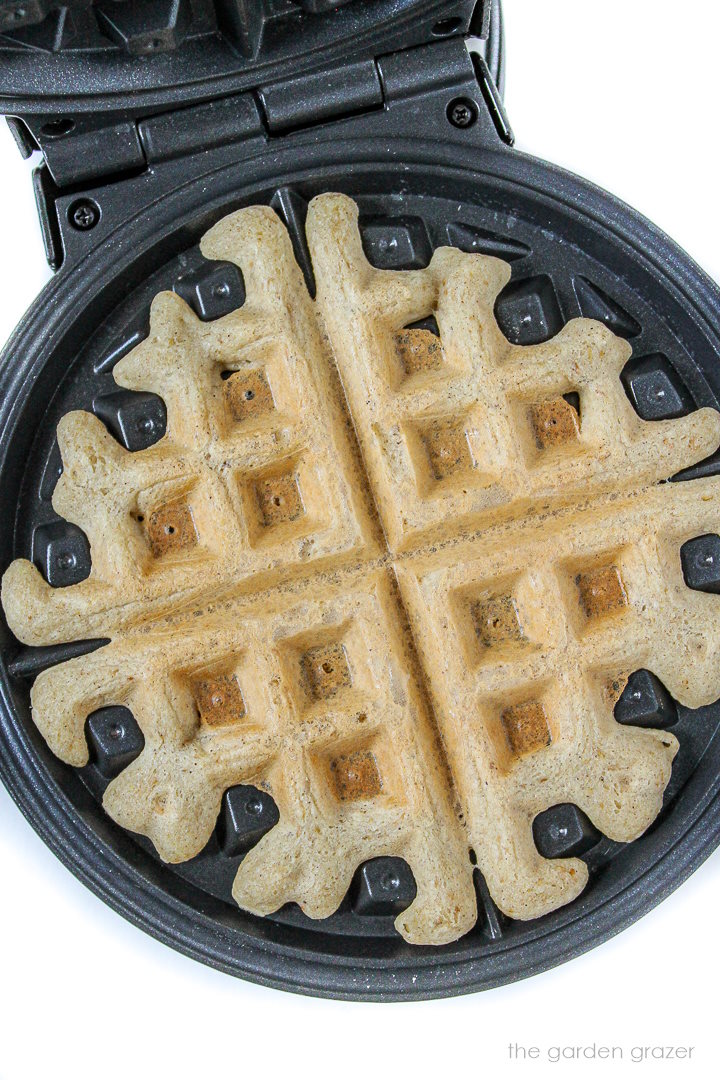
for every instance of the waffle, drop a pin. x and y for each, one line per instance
(397, 578)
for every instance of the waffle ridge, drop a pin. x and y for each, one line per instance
(394, 579)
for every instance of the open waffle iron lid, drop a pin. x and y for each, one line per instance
(126, 56)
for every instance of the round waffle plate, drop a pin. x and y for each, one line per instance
(574, 251)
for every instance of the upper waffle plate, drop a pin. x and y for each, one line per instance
(386, 567)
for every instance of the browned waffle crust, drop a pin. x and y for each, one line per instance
(396, 580)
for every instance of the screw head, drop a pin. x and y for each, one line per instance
(462, 112)
(84, 215)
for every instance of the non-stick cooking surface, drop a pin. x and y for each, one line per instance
(565, 263)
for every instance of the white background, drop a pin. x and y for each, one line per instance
(625, 93)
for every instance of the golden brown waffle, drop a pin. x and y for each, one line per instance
(394, 579)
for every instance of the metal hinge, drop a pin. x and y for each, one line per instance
(82, 156)
(79, 150)
(324, 95)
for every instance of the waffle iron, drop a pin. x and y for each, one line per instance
(154, 120)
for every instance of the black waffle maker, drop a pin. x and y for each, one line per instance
(154, 120)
